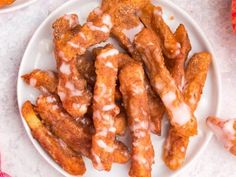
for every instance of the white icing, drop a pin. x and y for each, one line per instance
(62, 56)
(229, 127)
(80, 107)
(104, 146)
(138, 90)
(223, 136)
(182, 149)
(65, 68)
(109, 65)
(159, 85)
(103, 28)
(109, 53)
(131, 33)
(106, 19)
(158, 12)
(140, 159)
(55, 107)
(62, 95)
(74, 45)
(73, 90)
(50, 99)
(181, 114)
(99, 166)
(140, 126)
(82, 36)
(169, 98)
(140, 134)
(33, 82)
(108, 107)
(72, 21)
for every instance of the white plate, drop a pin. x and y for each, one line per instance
(39, 54)
(18, 4)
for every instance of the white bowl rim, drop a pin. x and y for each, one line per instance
(215, 69)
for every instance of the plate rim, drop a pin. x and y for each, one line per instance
(17, 7)
(215, 68)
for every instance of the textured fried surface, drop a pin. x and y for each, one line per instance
(45, 81)
(225, 131)
(180, 114)
(151, 16)
(176, 65)
(93, 32)
(104, 108)
(176, 145)
(77, 135)
(67, 159)
(72, 86)
(195, 76)
(62, 124)
(136, 104)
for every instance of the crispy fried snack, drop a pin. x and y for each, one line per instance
(62, 125)
(151, 16)
(156, 106)
(45, 81)
(225, 131)
(195, 77)
(176, 145)
(136, 104)
(77, 135)
(126, 26)
(66, 158)
(104, 108)
(93, 32)
(4, 3)
(180, 114)
(176, 66)
(72, 87)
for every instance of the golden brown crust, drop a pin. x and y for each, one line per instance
(176, 66)
(132, 86)
(46, 81)
(72, 86)
(151, 16)
(195, 76)
(67, 159)
(180, 115)
(176, 145)
(104, 108)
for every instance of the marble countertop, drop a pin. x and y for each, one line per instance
(20, 158)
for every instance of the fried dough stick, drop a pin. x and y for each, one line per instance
(72, 86)
(176, 66)
(78, 137)
(104, 108)
(151, 16)
(180, 114)
(176, 145)
(136, 104)
(47, 81)
(4, 3)
(125, 35)
(93, 32)
(67, 159)
(225, 131)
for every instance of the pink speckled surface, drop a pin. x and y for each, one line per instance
(20, 159)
